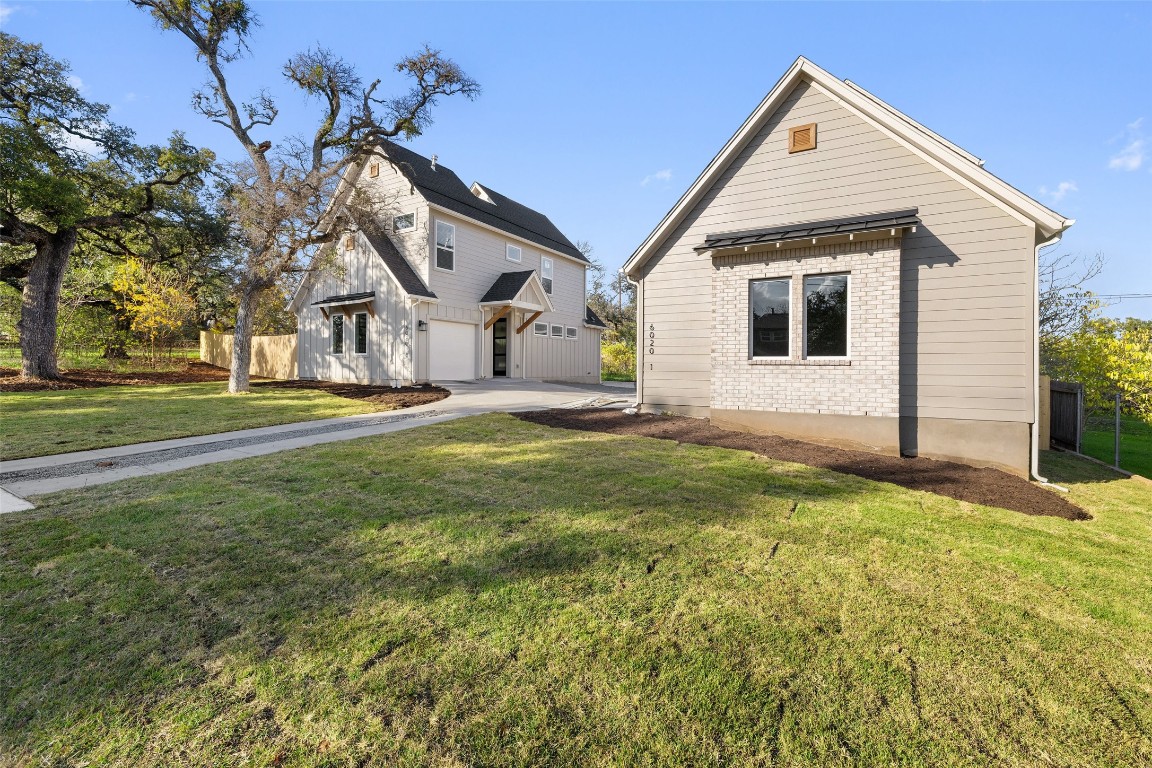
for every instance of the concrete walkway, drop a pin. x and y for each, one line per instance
(22, 478)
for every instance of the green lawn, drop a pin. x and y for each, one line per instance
(43, 423)
(93, 359)
(1135, 444)
(491, 592)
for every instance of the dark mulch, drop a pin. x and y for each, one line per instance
(194, 373)
(396, 397)
(384, 397)
(990, 487)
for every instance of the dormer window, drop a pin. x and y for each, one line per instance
(482, 193)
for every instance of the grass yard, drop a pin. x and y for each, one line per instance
(43, 423)
(493, 592)
(1135, 444)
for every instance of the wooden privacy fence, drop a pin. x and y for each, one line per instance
(273, 357)
(1067, 414)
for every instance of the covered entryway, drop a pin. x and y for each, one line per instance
(452, 351)
(514, 297)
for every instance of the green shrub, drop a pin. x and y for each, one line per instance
(618, 362)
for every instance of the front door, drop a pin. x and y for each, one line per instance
(500, 347)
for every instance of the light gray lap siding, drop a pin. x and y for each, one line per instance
(966, 279)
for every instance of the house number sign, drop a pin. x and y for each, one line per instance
(651, 339)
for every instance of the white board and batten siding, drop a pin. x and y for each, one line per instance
(389, 356)
(966, 273)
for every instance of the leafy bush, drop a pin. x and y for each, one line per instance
(618, 361)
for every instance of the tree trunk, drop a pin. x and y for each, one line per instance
(242, 339)
(41, 305)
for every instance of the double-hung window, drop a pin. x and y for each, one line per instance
(360, 338)
(770, 304)
(337, 334)
(546, 274)
(826, 315)
(445, 246)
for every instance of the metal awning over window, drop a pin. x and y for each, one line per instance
(893, 222)
(346, 301)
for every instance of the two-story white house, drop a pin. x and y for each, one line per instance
(460, 283)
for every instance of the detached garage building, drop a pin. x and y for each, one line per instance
(841, 273)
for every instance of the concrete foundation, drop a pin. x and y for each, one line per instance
(878, 434)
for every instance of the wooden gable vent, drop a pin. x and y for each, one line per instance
(349, 242)
(374, 170)
(801, 138)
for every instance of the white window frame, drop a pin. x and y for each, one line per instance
(536, 329)
(570, 333)
(436, 246)
(547, 272)
(509, 248)
(804, 320)
(332, 334)
(355, 322)
(408, 228)
(791, 317)
(557, 335)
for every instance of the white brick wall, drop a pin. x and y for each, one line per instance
(866, 384)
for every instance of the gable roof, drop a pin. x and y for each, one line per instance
(440, 186)
(398, 265)
(510, 287)
(931, 147)
(591, 318)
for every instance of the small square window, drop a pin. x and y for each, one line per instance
(570, 333)
(558, 331)
(540, 329)
(404, 222)
(514, 253)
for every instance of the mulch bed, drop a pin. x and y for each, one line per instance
(989, 487)
(196, 373)
(397, 397)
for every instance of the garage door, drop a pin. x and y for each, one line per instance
(453, 351)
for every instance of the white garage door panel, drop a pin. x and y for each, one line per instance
(453, 351)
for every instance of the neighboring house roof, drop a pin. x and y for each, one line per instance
(512, 288)
(591, 318)
(929, 146)
(345, 298)
(442, 187)
(801, 231)
(398, 265)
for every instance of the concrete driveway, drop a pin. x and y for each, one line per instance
(22, 478)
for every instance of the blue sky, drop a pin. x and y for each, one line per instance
(601, 114)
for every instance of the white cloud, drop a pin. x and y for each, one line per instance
(87, 146)
(663, 176)
(1060, 192)
(76, 83)
(6, 11)
(1135, 150)
(129, 97)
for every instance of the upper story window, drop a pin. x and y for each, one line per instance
(445, 246)
(404, 222)
(826, 316)
(337, 334)
(770, 304)
(546, 274)
(360, 339)
(514, 253)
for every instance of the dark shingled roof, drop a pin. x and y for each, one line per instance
(591, 318)
(346, 298)
(398, 265)
(855, 224)
(444, 188)
(506, 286)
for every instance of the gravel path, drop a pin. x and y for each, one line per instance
(155, 457)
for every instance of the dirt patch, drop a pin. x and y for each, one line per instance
(990, 487)
(193, 373)
(380, 396)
